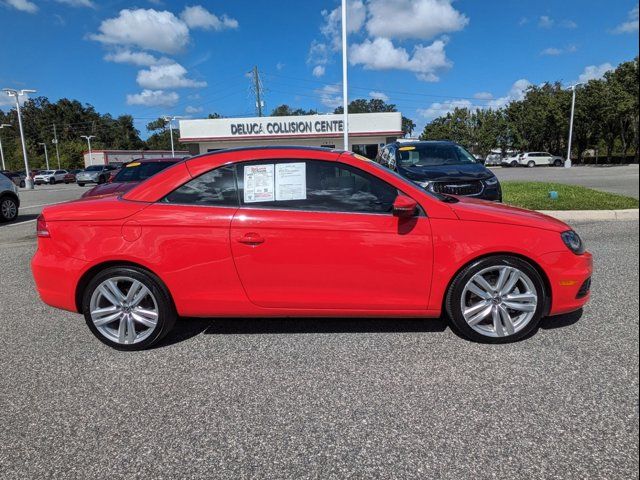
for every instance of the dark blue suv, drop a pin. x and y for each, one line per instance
(441, 167)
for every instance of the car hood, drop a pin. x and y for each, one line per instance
(475, 210)
(446, 173)
(115, 188)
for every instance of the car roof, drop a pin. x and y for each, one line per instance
(425, 142)
(156, 160)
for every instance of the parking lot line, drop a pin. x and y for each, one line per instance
(43, 205)
(19, 223)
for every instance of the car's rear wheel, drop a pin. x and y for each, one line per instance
(8, 209)
(498, 299)
(80, 184)
(52, 181)
(128, 308)
(531, 164)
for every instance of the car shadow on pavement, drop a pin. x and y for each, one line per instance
(561, 321)
(187, 328)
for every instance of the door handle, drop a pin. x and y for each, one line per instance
(252, 239)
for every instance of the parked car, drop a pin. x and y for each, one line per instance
(441, 167)
(70, 177)
(131, 175)
(94, 174)
(264, 232)
(493, 160)
(50, 177)
(9, 199)
(18, 178)
(536, 159)
(512, 160)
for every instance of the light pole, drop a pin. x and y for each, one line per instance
(16, 94)
(345, 88)
(4, 167)
(567, 163)
(169, 119)
(88, 139)
(46, 154)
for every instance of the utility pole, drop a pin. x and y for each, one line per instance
(88, 139)
(567, 163)
(345, 85)
(257, 90)
(16, 94)
(4, 167)
(55, 142)
(46, 154)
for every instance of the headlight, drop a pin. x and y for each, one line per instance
(493, 181)
(573, 242)
(423, 184)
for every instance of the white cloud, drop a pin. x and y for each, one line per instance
(381, 54)
(440, 109)
(7, 101)
(631, 25)
(146, 29)
(594, 72)
(141, 59)
(193, 110)
(23, 5)
(546, 22)
(319, 71)
(199, 17)
(330, 95)
(555, 51)
(419, 19)
(483, 96)
(153, 98)
(78, 3)
(318, 53)
(159, 77)
(332, 26)
(379, 96)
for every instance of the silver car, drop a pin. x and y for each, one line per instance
(9, 200)
(95, 174)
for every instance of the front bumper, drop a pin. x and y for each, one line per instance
(570, 280)
(87, 179)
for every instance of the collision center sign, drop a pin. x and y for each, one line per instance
(326, 126)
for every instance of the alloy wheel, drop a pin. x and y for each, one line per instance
(499, 301)
(9, 209)
(124, 310)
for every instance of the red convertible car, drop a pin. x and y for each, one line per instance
(272, 232)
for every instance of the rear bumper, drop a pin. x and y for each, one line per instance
(569, 277)
(56, 276)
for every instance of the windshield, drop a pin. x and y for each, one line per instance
(47, 172)
(434, 155)
(94, 168)
(137, 172)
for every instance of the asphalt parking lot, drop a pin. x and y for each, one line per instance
(620, 179)
(300, 398)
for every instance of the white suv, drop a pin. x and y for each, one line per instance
(9, 199)
(534, 159)
(50, 177)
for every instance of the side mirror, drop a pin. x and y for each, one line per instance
(404, 207)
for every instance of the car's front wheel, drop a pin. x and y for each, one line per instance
(558, 163)
(8, 209)
(531, 164)
(498, 299)
(128, 308)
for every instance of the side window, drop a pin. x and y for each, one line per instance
(320, 186)
(214, 188)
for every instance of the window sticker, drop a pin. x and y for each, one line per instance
(291, 181)
(258, 183)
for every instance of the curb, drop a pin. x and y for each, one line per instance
(593, 215)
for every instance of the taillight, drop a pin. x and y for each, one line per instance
(41, 227)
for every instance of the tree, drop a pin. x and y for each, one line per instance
(287, 111)
(376, 105)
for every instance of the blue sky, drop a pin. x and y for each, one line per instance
(170, 57)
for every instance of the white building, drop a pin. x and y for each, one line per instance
(106, 157)
(367, 131)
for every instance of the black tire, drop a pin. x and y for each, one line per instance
(101, 180)
(531, 164)
(558, 163)
(52, 181)
(166, 310)
(80, 184)
(514, 164)
(22, 184)
(454, 298)
(8, 209)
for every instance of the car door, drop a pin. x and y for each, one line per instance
(321, 235)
